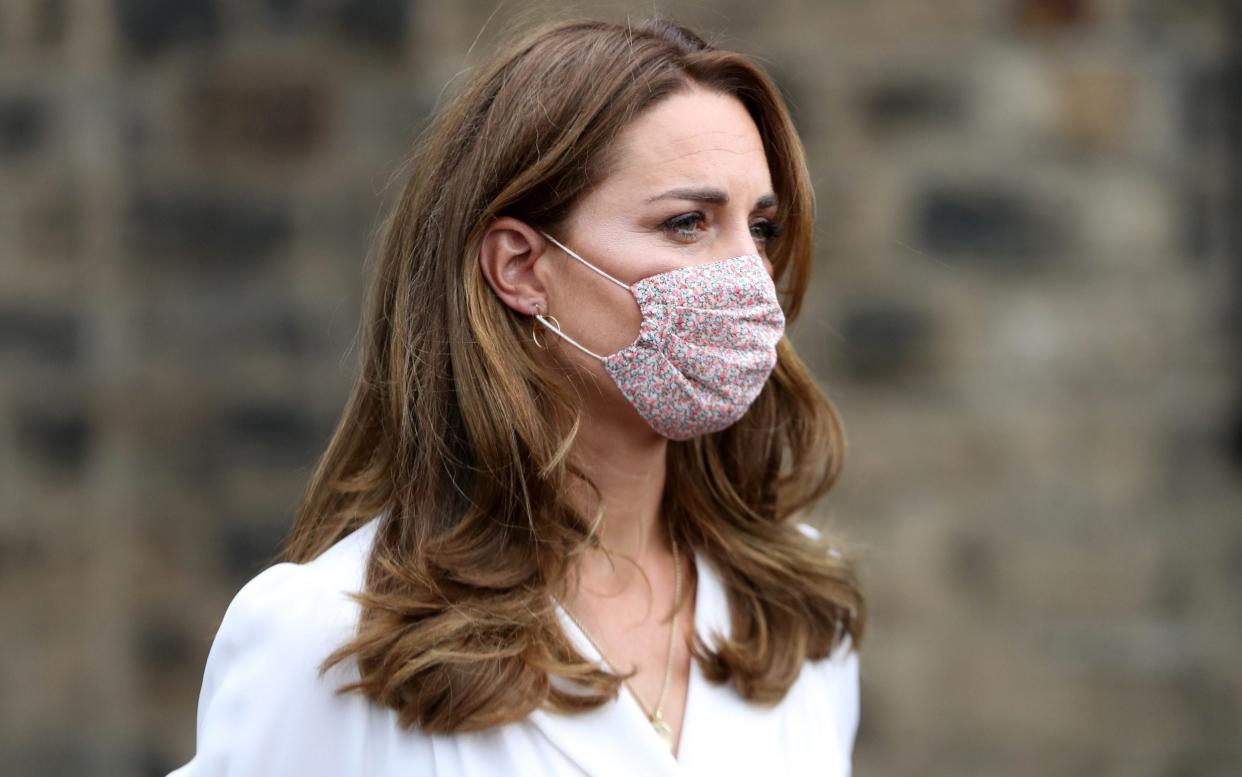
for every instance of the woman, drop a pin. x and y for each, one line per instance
(556, 530)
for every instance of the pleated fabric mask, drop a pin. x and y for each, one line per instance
(705, 348)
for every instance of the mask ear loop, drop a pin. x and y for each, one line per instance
(557, 328)
(534, 331)
(566, 249)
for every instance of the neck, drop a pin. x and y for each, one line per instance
(629, 466)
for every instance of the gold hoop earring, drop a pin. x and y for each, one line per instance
(534, 332)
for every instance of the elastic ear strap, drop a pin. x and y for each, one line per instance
(543, 320)
(584, 261)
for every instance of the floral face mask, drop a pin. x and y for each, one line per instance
(705, 347)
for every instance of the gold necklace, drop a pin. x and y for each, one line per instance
(655, 717)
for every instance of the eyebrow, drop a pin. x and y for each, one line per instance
(714, 196)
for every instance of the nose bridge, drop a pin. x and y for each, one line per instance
(741, 241)
(746, 244)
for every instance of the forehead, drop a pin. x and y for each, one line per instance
(700, 137)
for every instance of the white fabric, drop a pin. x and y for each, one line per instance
(263, 711)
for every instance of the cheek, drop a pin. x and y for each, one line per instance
(598, 314)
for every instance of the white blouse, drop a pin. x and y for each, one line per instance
(263, 710)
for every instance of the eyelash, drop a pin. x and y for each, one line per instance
(772, 230)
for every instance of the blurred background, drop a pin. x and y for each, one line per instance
(1027, 306)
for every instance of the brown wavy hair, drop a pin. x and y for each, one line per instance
(458, 434)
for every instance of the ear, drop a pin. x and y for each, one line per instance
(507, 256)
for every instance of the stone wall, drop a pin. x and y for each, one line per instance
(1026, 307)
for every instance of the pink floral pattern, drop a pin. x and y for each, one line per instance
(705, 348)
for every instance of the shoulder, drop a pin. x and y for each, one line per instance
(838, 673)
(292, 605)
(264, 707)
(837, 680)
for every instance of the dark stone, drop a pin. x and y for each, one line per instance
(1039, 15)
(247, 548)
(284, 13)
(1211, 104)
(1189, 449)
(1233, 566)
(147, 28)
(211, 234)
(379, 25)
(23, 124)
(49, 22)
(1197, 760)
(287, 334)
(161, 643)
(1233, 437)
(884, 340)
(906, 104)
(152, 761)
(993, 226)
(51, 228)
(59, 438)
(268, 118)
(20, 553)
(1209, 702)
(39, 334)
(270, 434)
(1173, 590)
(66, 753)
(1197, 233)
(196, 332)
(972, 564)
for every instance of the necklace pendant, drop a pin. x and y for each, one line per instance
(663, 729)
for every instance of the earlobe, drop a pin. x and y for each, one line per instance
(507, 255)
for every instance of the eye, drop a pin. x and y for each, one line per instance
(765, 231)
(683, 226)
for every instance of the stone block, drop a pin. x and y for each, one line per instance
(209, 234)
(24, 124)
(912, 104)
(885, 339)
(1049, 15)
(273, 116)
(377, 25)
(31, 334)
(268, 433)
(149, 28)
(49, 226)
(161, 643)
(247, 548)
(56, 437)
(994, 227)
